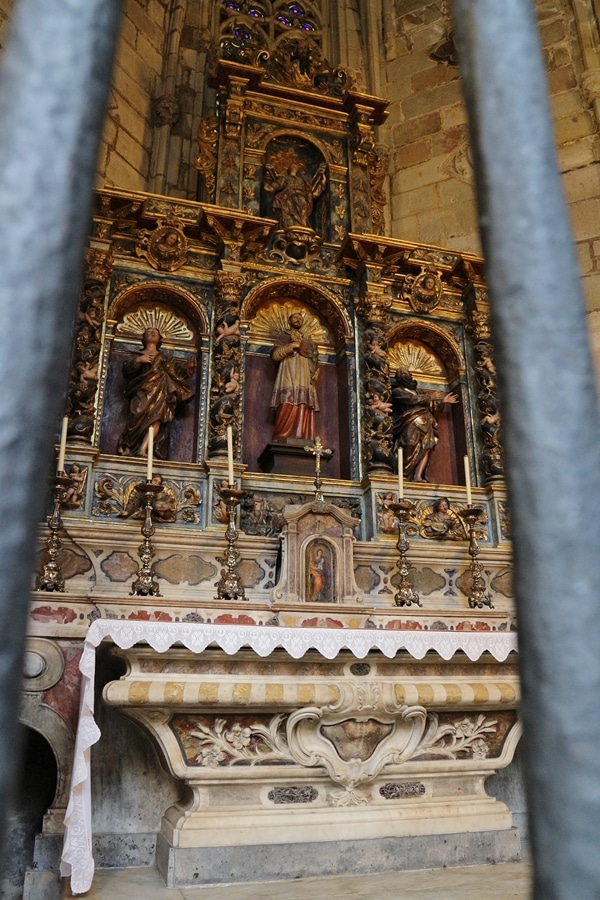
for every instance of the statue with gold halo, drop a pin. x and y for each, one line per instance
(294, 398)
(155, 384)
(415, 422)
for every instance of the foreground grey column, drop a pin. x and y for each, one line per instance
(53, 88)
(551, 436)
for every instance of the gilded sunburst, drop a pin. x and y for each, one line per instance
(172, 328)
(417, 360)
(273, 319)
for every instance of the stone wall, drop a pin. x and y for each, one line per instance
(185, 76)
(432, 197)
(124, 159)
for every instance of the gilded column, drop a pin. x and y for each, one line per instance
(376, 432)
(226, 381)
(82, 391)
(478, 327)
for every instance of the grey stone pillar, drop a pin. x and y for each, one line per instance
(551, 435)
(53, 87)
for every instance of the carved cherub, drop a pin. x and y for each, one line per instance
(74, 494)
(229, 327)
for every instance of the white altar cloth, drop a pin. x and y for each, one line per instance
(77, 859)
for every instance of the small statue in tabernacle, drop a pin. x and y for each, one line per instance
(415, 422)
(294, 394)
(294, 193)
(156, 384)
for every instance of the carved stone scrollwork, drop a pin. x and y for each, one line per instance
(226, 386)
(353, 748)
(353, 739)
(83, 378)
(487, 396)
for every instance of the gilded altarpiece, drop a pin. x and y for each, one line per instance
(286, 248)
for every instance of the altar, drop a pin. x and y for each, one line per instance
(338, 740)
(277, 562)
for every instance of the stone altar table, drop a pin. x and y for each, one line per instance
(286, 737)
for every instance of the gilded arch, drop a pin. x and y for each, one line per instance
(331, 330)
(181, 318)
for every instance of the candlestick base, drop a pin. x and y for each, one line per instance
(230, 587)
(50, 578)
(478, 598)
(145, 584)
(406, 595)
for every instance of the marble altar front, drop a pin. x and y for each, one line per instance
(301, 744)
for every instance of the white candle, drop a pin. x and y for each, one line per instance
(230, 455)
(63, 445)
(400, 474)
(150, 451)
(468, 481)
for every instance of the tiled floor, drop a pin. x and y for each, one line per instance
(506, 881)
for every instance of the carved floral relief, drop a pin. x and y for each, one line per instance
(353, 740)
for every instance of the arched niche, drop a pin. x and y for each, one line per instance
(436, 363)
(294, 188)
(182, 322)
(265, 311)
(49, 730)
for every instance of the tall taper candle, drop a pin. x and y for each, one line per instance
(468, 481)
(400, 474)
(230, 455)
(150, 452)
(63, 445)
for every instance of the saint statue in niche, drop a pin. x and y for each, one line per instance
(415, 422)
(294, 192)
(155, 385)
(294, 398)
(320, 573)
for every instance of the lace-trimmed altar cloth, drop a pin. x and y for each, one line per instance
(77, 859)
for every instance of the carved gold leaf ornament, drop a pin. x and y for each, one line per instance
(415, 358)
(271, 320)
(173, 329)
(165, 247)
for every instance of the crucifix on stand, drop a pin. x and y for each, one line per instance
(318, 451)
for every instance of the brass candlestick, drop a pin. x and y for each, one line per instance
(406, 595)
(230, 586)
(145, 585)
(51, 578)
(478, 598)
